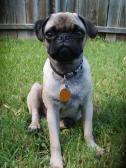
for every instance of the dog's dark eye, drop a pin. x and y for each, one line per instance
(49, 34)
(78, 31)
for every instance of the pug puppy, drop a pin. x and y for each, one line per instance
(66, 93)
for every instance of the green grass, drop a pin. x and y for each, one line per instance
(21, 65)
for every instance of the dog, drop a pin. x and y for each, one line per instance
(66, 93)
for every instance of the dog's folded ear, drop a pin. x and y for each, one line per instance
(39, 28)
(90, 28)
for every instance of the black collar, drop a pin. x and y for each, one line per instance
(69, 74)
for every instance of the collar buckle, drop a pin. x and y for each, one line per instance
(69, 75)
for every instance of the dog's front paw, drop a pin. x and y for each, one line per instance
(34, 127)
(99, 152)
(56, 162)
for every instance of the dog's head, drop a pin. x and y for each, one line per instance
(64, 35)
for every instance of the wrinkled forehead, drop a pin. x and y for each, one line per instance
(64, 21)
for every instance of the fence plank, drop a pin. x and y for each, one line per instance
(89, 9)
(48, 7)
(20, 11)
(42, 9)
(123, 14)
(52, 6)
(114, 16)
(31, 14)
(16, 26)
(30, 27)
(3, 6)
(21, 16)
(63, 5)
(11, 16)
(77, 7)
(70, 5)
(31, 11)
(116, 30)
(114, 12)
(11, 12)
(102, 12)
(57, 5)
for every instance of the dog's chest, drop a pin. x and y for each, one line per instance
(76, 100)
(79, 87)
(70, 108)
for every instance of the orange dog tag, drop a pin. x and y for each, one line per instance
(64, 95)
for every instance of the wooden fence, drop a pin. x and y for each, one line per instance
(17, 17)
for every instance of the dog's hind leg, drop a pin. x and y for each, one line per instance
(35, 106)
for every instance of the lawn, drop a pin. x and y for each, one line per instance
(21, 63)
